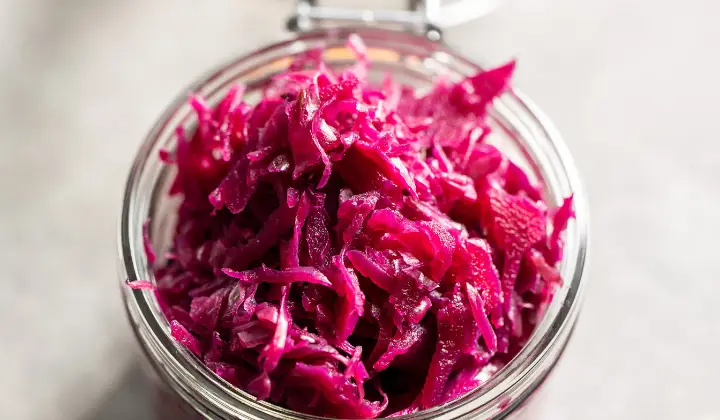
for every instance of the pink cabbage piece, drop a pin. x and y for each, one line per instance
(183, 336)
(457, 336)
(140, 285)
(284, 277)
(351, 299)
(560, 218)
(517, 224)
(350, 249)
(402, 343)
(149, 250)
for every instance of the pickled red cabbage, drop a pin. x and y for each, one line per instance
(355, 250)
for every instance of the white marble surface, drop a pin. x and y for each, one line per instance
(633, 85)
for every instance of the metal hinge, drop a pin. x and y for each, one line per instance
(424, 16)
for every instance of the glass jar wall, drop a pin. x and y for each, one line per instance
(521, 130)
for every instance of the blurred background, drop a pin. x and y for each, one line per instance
(632, 85)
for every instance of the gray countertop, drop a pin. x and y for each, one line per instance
(633, 86)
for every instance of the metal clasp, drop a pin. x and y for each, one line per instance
(420, 16)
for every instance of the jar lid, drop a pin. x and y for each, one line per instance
(429, 16)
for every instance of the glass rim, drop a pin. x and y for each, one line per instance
(516, 375)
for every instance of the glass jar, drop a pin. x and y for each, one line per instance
(520, 130)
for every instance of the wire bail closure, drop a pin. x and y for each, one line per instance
(419, 16)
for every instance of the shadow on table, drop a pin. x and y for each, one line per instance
(133, 398)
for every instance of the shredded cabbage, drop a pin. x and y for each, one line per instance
(354, 250)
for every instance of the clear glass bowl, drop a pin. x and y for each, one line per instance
(520, 130)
